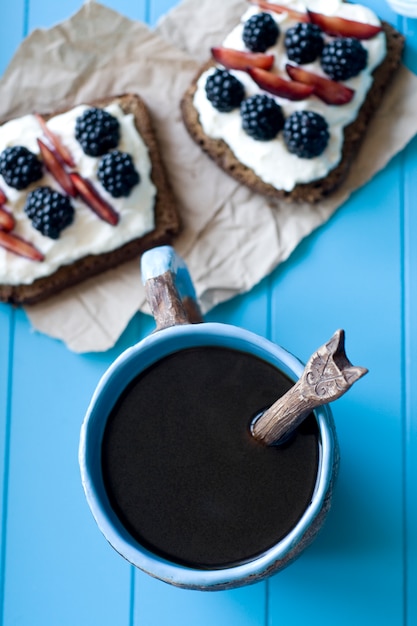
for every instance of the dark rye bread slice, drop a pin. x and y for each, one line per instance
(167, 222)
(353, 134)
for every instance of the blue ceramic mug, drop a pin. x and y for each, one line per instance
(171, 297)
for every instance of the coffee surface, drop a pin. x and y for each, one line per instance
(184, 474)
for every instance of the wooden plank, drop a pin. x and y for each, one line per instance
(331, 282)
(250, 311)
(44, 14)
(56, 557)
(347, 275)
(13, 21)
(410, 433)
(410, 350)
(6, 360)
(157, 603)
(12, 15)
(60, 559)
(45, 554)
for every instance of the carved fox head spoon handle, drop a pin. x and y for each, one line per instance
(327, 376)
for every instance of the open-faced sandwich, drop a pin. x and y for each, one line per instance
(286, 98)
(81, 191)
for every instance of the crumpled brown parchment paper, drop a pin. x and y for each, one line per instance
(232, 237)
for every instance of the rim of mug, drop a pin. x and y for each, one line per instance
(118, 376)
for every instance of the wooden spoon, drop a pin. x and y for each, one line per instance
(327, 376)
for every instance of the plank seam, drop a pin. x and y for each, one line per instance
(26, 18)
(404, 355)
(6, 461)
(132, 596)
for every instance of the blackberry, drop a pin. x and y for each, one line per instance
(97, 131)
(343, 58)
(117, 173)
(304, 43)
(20, 167)
(224, 91)
(306, 134)
(262, 117)
(49, 211)
(260, 32)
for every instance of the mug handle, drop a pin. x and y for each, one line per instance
(169, 289)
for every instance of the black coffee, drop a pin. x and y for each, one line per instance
(184, 474)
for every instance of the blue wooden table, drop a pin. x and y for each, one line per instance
(358, 272)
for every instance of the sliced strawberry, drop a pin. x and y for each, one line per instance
(7, 221)
(19, 246)
(62, 150)
(330, 91)
(55, 166)
(291, 90)
(3, 197)
(241, 60)
(93, 199)
(281, 8)
(340, 27)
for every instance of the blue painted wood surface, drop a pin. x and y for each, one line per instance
(359, 272)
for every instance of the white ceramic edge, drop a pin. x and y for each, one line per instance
(157, 261)
(156, 566)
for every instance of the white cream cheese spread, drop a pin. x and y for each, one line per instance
(88, 234)
(271, 160)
